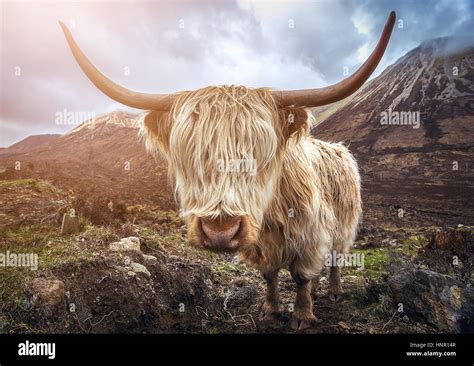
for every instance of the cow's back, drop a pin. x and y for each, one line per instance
(340, 185)
(319, 185)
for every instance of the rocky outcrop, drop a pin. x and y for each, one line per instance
(438, 299)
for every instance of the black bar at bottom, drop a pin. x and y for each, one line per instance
(434, 348)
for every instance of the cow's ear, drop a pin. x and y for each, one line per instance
(156, 130)
(294, 121)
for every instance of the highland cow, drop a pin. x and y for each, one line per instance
(250, 178)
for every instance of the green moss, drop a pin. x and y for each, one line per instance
(375, 261)
(226, 268)
(151, 238)
(30, 237)
(412, 244)
(45, 241)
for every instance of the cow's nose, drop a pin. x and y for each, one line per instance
(221, 234)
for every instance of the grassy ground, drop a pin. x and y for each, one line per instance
(187, 290)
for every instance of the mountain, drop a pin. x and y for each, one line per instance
(29, 143)
(100, 160)
(425, 163)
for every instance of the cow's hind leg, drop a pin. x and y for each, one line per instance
(335, 287)
(303, 317)
(341, 248)
(271, 306)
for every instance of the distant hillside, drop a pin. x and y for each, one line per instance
(29, 143)
(100, 158)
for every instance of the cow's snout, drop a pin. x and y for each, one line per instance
(221, 234)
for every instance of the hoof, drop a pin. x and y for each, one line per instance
(335, 297)
(269, 314)
(309, 322)
(269, 317)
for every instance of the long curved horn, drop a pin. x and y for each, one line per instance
(344, 88)
(113, 90)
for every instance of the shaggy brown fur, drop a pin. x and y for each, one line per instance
(302, 202)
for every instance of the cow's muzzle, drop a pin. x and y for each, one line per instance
(221, 234)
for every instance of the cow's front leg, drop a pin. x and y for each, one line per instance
(271, 306)
(303, 317)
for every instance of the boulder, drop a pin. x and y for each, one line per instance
(140, 268)
(125, 244)
(438, 299)
(50, 292)
(150, 259)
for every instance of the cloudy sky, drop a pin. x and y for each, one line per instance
(167, 46)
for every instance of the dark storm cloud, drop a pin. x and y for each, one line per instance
(329, 34)
(421, 20)
(169, 46)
